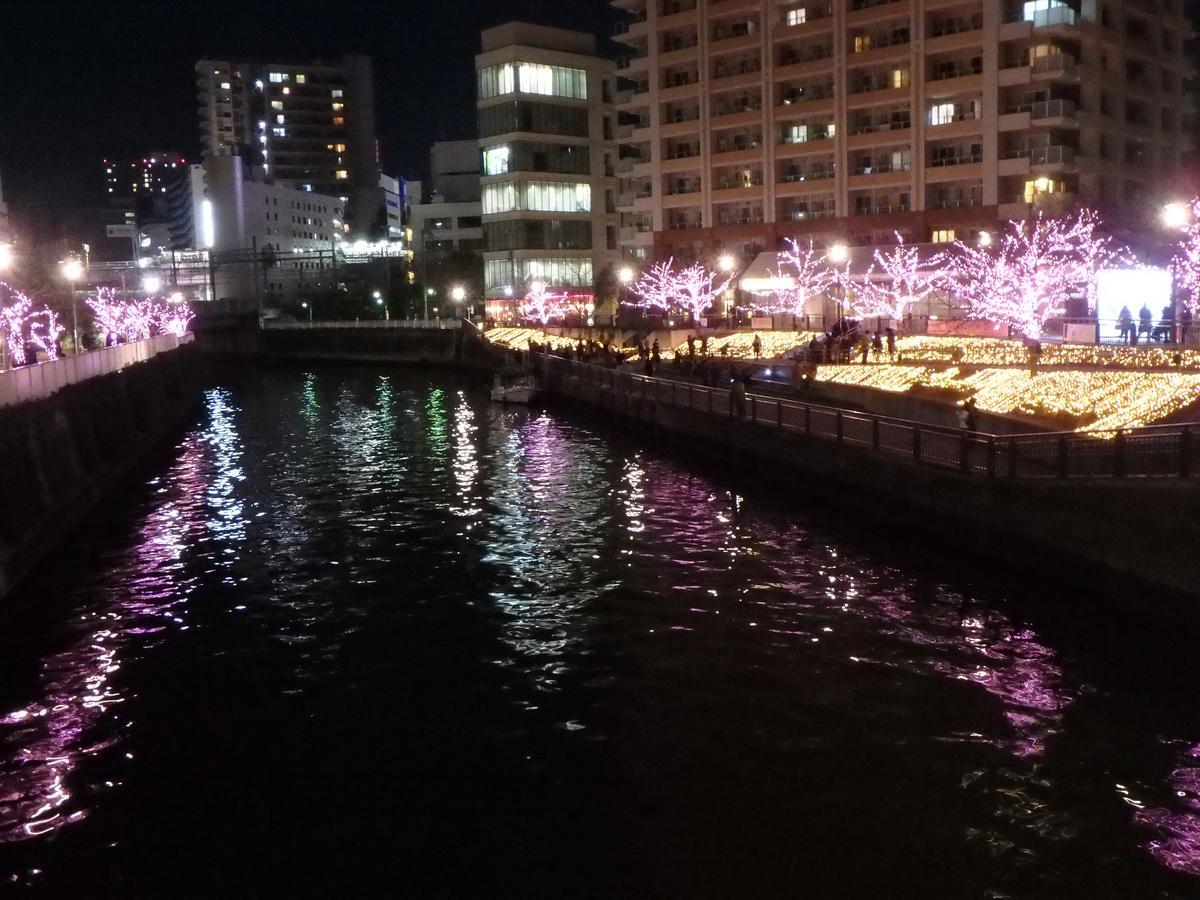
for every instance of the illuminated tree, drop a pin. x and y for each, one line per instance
(542, 304)
(45, 330)
(803, 274)
(134, 319)
(693, 289)
(1187, 259)
(15, 309)
(1026, 278)
(895, 283)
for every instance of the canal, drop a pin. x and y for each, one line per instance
(360, 632)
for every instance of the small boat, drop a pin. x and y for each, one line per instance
(515, 387)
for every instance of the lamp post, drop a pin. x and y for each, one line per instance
(727, 263)
(72, 270)
(429, 292)
(1176, 217)
(305, 305)
(625, 276)
(839, 255)
(459, 295)
(379, 301)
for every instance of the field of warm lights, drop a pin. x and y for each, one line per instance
(1082, 400)
(519, 338)
(741, 345)
(995, 352)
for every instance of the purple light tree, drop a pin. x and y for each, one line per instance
(1187, 258)
(803, 273)
(542, 304)
(694, 289)
(15, 309)
(1026, 278)
(895, 283)
(45, 330)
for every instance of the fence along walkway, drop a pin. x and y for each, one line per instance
(1157, 451)
(393, 324)
(38, 381)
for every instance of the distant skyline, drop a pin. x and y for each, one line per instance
(91, 79)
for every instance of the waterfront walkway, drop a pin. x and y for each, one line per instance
(1154, 452)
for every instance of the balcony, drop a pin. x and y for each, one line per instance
(1057, 155)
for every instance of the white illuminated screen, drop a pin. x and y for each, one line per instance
(1117, 288)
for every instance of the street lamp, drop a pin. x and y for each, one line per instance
(626, 275)
(72, 270)
(151, 284)
(985, 239)
(459, 295)
(1177, 217)
(387, 314)
(305, 305)
(839, 255)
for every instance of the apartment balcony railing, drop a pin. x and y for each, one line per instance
(732, 109)
(881, 125)
(679, 116)
(1044, 156)
(881, 207)
(956, 26)
(869, 4)
(961, 70)
(808, 54)
(889, 39)
(684, 187)
(745, 67)
(683, 224)
(803, 215)
(793, 175)
(742, 142)
(881, 168)
(1045, 18)
(956, 203)
(670, 45)
(740, 29)
(752, 218)
(958, 159)
(885, 82)
(804, 95)
(726, 184)
(683, 153)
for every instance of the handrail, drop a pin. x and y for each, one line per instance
(420, 324)
(1151, 451)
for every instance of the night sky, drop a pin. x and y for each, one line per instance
(86, 79)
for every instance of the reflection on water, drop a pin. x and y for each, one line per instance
(363, 545)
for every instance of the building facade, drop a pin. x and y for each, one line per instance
(547, 141)
(749, 121)
(310, 125)
(266, 240)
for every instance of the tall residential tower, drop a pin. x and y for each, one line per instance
(753, 120)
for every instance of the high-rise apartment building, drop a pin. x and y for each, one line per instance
(310, 125)
(547, 136)
(749, 121)
(143, 176)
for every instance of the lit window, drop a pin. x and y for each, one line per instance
(899, 78)
(943, 236)
(338, 107)
(797, 16)
(301, 79)
(225, 85)
(341, 174)
(277, 77)
(941, 114)
(276, 104)
(336, 93)
(286, 91)
(279, 132)
(338, 120)
(280, 119)
(797, 134)
(862, 43)
(533, 78)
(496, 160)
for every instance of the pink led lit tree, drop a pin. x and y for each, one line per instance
(15, 310)
(541, 304)
(1025, 278)
(134, 319)
(1187, 259)
(803, 273)
(45, 330)
(694, 289)
(895, 283)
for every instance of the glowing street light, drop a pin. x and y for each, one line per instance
(6, 257)
(626, 275)
(1176, 215)
(985, 239)
(727, 263)
(838, 254)
(458, 294)
(305, 305)
(387, 313)
(151, 284)
(72, 270)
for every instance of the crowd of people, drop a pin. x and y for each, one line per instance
(1166, 331)
(848, 340)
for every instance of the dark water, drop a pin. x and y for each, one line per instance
(362, 633)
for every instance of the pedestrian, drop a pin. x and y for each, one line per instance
(737, 395)
(877, 346)
(1034, 349)
(1145, 321)
(691, 345)
(756, 346)
(704, 345)
(655, 351)
(1125, 324)
(972, 414)
(891, 342)
(1185, 325)
(864, 346)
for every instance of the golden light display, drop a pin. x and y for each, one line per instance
(1095, 400)
(741, 344)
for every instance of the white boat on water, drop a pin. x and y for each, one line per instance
(514, 388)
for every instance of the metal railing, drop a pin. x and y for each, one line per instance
(39, 381)
(421, 324)
(1152, 452)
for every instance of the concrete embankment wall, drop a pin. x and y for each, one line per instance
(1134, 539)
(61, 454)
